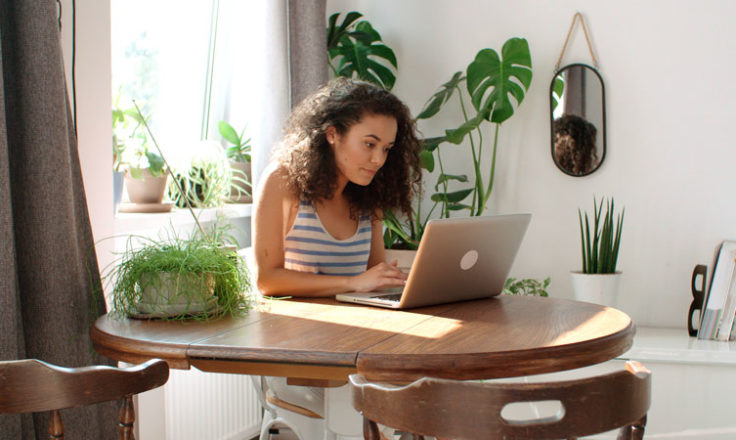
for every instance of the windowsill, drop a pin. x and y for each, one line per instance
(673, 345)
(133, 222)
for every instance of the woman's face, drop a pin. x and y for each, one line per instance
(363, 150)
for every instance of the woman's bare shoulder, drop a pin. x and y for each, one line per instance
(275, 184)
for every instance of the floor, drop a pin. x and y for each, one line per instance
(284, 434)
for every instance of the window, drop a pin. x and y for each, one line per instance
(187, 64)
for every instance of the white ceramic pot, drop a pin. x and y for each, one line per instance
(596, 288)
(174, 293)
(404, 257)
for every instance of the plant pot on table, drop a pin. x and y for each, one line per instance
(404, 258)
(597, 288)
(171, 294)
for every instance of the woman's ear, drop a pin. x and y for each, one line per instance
(331, 135)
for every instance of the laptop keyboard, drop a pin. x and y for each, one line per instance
(389, 297)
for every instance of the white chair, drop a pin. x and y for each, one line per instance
(339, 416)
(304, 423)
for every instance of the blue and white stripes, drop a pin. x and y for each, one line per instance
(308, 247)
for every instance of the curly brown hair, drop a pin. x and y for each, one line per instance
(309, 161)
(574, 146)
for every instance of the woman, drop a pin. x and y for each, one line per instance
(350, 153)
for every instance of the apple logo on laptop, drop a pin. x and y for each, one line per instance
(469, 259)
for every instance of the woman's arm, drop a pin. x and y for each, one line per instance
(378, 253)
(272, 217)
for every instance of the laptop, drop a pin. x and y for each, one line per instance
(458, 259)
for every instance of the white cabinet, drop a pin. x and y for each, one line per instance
(693, 384)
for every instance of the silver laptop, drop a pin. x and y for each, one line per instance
(458, 259)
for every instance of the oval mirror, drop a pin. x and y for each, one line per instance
(578, 119)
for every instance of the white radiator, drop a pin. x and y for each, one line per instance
(200, 406)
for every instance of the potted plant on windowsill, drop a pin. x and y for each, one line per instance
(144, 171)
(598, 280)
(202, 177)
(179, 277)
(238, 153)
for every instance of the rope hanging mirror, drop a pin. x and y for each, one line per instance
(577, 112)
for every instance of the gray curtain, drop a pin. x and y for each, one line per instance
(48, 268)
(307, 47)
(293, 65)
(575, 91)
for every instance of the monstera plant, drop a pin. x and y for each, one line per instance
(355, 49)
(494, 86)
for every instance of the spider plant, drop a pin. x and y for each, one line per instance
(205, 180)
(185, 271)
(600, 245)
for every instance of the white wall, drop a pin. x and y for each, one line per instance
(93, 110)
(666, 66)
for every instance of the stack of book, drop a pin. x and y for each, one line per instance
(719, 306)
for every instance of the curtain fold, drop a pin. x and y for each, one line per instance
(48, 267)
(307, 47)
(293, 64)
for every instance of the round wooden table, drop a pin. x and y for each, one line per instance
(323, 339)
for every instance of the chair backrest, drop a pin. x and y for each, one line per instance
(473, 410)
(31, 385)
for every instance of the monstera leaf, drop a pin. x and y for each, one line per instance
(558, 88)
(443, 95)
(492, 81)
(359, 51)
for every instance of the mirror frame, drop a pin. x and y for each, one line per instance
(552, 120)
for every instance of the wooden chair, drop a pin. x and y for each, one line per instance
(31, 385)
(473, 410)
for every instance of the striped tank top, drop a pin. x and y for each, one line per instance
(308, 247)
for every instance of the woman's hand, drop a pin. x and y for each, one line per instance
(380, 276)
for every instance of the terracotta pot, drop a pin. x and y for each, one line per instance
(596, 288)
(240, 171)
(147, 189)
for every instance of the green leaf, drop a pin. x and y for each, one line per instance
(365, 33)
(360, 52)
(601, 247)
(228, 133)
(433, 106)
(430, 144)
(457, 135)
(335, 33)
(491, 80)
(426, 160)
(135, 172)
(458, 206)
(558, 88)
(384, 74)
(383, 51)
(155, 162)
(451, 197)
(448, 177)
